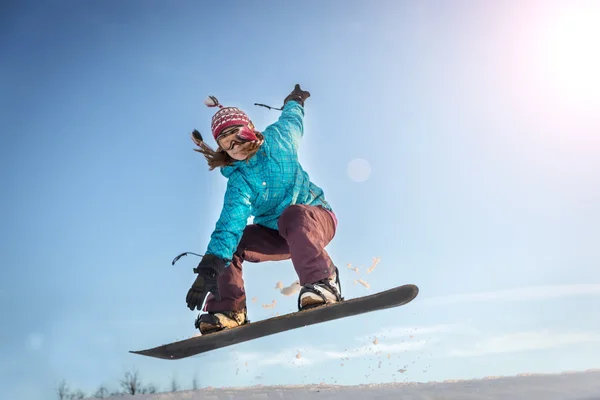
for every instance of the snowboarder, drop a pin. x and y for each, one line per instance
(292, 218)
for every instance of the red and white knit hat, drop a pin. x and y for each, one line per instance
(230, 116)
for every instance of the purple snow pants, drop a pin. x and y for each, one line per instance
(303, 233)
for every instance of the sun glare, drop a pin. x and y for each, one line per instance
(571, 47)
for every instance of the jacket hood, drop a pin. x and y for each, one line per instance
(228, 170)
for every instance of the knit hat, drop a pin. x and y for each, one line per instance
(230, 116)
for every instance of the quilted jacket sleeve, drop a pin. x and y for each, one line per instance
(232, 221)
(290, 124)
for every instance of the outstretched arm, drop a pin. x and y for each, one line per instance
(232, 221)
(291, 121)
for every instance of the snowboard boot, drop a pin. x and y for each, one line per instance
(325, 291)
(219, 320)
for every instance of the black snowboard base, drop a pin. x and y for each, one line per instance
(395, 297)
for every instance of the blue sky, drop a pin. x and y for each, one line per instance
(458, 144)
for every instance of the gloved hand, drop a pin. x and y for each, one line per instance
(298, 95)
(209, 270)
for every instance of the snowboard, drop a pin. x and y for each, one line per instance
(395, 297)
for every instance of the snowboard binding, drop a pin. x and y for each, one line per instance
(321, 288)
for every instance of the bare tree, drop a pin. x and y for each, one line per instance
(174, 385)
(150, 389)
(63, 391)
(132, 384)
(101, 393)
(77, 395)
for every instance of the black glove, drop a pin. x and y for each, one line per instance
(298, 95)
(209, 270)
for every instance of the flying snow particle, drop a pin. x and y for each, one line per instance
(290, 290)
(271, 305)
(375, 262)
(351, 268)
(364, 283)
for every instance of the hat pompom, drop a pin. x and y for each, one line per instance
(211, 101)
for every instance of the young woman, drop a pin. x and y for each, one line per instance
(292, 219)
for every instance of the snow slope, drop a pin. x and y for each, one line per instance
(566, 386)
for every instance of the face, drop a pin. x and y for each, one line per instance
(231, 144)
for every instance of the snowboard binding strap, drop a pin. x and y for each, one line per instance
(317, 288)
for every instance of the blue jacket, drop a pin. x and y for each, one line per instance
(266, 184)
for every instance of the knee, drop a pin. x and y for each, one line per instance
(242, 245)
(291, 217)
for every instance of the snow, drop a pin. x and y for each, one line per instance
(566, 386)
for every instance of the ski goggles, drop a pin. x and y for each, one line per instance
(242, 134)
